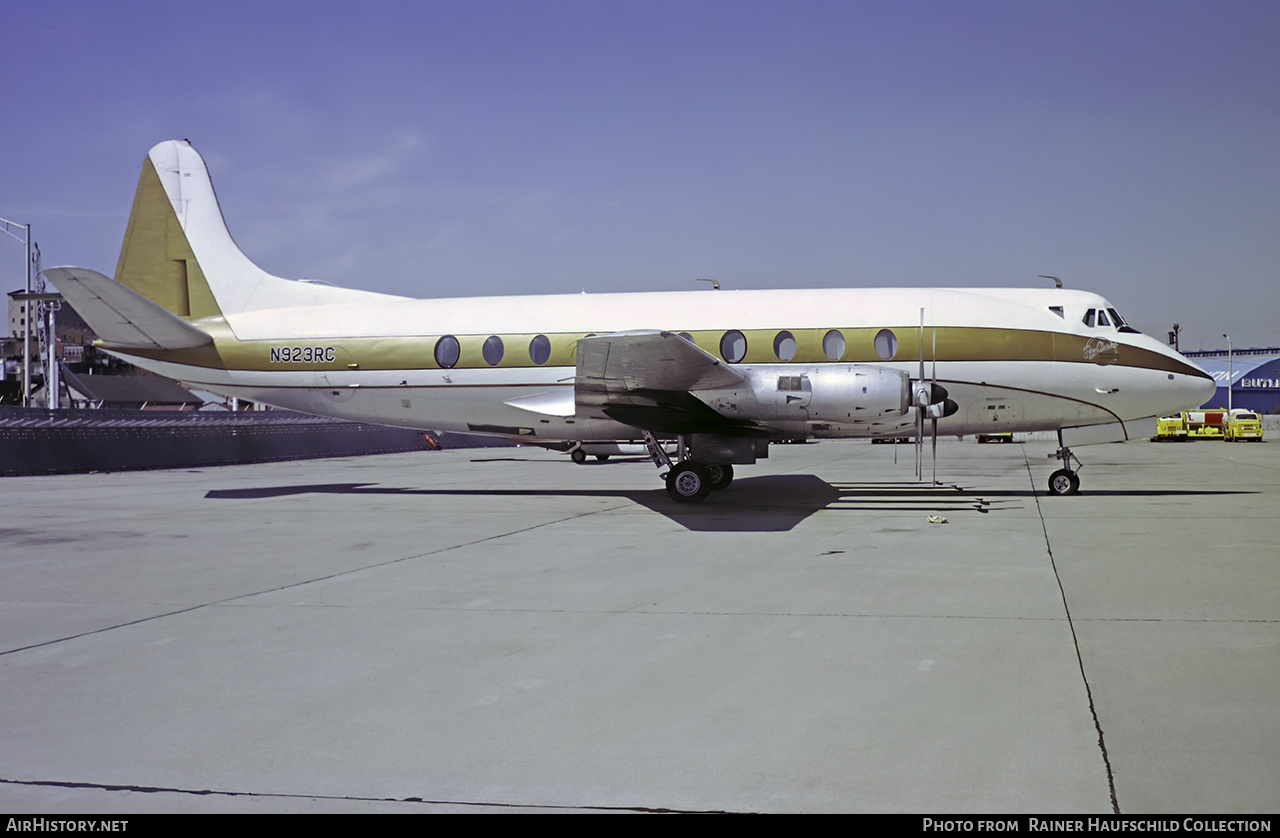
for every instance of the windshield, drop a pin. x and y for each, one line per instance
(1106, 318)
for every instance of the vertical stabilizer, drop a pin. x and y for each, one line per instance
(156, 259)
(178, 253)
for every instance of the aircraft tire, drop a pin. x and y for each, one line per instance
(688, 482)
(1064, 482)
(721, 476)
(602, 457)
(578, 456)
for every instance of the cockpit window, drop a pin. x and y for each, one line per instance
(1121, 322)
(1106, 318)
(1058, 311)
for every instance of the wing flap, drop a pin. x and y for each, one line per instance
(122, 317)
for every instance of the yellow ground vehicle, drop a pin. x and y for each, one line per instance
(1243, 424)
(1170, 429)
(1205, 424)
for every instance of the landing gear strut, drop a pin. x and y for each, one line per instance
(688, 481)
(1064, 481)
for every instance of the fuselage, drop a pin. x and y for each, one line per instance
(1011, 359)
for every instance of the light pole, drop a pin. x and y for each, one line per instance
(1230, 373)
(26, 307)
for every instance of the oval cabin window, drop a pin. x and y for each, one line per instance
(833, 345)
(733, 346)
(886, 344)
(492, 350)
(784, 346)
(447, 351)
(540, 350)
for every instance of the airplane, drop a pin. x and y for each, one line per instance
(719, 373)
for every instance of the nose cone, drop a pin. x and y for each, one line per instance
(1200, 390)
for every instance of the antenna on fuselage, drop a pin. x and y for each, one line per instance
(1057, 282)
(715, 283)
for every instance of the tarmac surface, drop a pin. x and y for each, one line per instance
(501, 630)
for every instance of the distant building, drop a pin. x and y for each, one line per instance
(18, 316)
(1254, 377)
(73, 348)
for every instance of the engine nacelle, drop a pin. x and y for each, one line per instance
(844, 394)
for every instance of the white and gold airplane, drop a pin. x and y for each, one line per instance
(721, 372)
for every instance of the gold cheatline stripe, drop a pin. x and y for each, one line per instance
(953, 343)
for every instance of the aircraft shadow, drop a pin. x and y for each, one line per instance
(746, 507)
(772, 503)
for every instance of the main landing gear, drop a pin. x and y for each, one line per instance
(579, 455)
(688, 481)
(1064, 481)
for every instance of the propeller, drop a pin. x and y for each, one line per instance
(930, 398)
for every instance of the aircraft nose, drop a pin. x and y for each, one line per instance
(1197, 389)
(1203, 389)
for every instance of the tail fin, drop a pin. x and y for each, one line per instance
(178, 253)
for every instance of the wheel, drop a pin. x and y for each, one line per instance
(578, 456)
(689, 482)
(602, 457)
(721, 476)
(1064, 482)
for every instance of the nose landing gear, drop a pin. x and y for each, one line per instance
(1064, 481)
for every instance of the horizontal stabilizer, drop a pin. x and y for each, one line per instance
(122, 317)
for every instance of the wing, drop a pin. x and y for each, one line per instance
(622, 362)
(646, 379)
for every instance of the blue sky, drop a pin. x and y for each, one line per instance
(485, 147)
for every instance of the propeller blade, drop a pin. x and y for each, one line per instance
(933, 394)
(935, 452)
(922, 404)
(919, 442)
